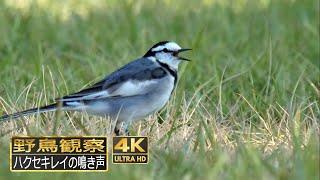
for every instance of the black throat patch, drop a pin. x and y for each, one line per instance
(171, 71)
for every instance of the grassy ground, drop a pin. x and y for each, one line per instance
(246, 107)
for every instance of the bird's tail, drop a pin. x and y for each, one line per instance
(48, 108)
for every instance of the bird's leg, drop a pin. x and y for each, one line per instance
(126, 131)
(121, 129)
(117, 131)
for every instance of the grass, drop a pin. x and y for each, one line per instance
(246, 107)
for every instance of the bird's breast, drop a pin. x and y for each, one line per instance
(161, 94)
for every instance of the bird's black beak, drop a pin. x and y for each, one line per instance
(182, 50)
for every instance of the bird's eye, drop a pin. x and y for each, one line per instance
(165, 50)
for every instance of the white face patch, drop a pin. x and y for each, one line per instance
(171, 46)
(167, 57)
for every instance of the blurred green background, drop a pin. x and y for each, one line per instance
(252, 60)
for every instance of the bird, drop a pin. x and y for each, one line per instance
(133, 92)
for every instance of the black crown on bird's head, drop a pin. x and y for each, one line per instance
(152, 53)
(167, 49)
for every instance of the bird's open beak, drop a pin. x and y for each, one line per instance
(182, 50)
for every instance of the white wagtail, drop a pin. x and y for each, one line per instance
(138, 89)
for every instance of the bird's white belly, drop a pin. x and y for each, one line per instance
(159, 102)
(135, 107)
(155, 100)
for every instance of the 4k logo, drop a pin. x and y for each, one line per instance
(130, 149)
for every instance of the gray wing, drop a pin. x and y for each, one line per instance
(129, 80)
